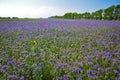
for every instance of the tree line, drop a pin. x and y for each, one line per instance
(8, 17)
(110, 13)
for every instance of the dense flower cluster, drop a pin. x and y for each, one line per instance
(63, 50)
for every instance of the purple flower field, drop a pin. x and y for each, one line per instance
(64, 50)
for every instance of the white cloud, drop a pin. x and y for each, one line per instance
(25, 11)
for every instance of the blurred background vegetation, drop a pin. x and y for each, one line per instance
(110, 13)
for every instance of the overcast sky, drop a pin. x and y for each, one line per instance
(46, 8)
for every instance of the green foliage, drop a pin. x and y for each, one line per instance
(117, 12)
(86, 15)
(110, 13)
(97, 15)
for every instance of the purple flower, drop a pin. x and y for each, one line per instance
(88, 58)
(2, 68)
(113, 42)
(80, 64)
(98, 40)
(77, 70)
(96, 65)
(115, 61)
(39, 67)
(22, 78)
(92, 77)
(24, 52)
(65, 77)
(34, 65)
(108, 68)
(16, 68)
(107, 57)
(10, 63)
(90, 63)
(90, 71)
(117, 70)
(100, 70)
(79, 78)
(118, 78)
(14, 61)
(23, 64)
(67, 65)
(59, 65)
(84, 75)
(12, 77)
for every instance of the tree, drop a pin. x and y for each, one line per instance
(86, 15)
(68, 16)
(117, 12)
(79, 16)
(59, 17)
(109, 13)
(97, 14)
(5, 18)
(74, 15)
(93, 15)
(14, 17)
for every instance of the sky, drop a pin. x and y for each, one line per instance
(47, 8)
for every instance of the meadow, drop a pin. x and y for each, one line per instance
(59, 49)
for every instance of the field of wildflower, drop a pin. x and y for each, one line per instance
(58, 49)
